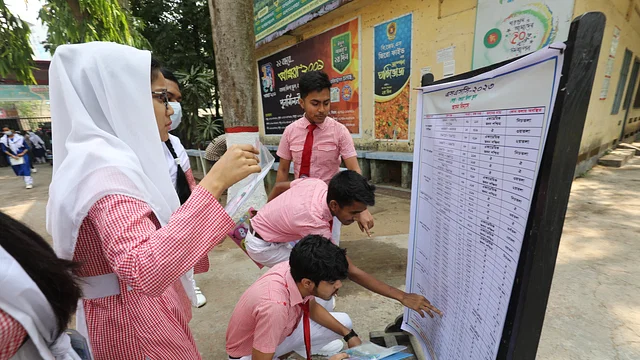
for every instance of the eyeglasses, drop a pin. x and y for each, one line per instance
(162, 95)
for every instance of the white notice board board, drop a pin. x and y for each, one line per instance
(479, 143)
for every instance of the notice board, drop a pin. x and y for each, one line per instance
(479, 145)
(336, 52)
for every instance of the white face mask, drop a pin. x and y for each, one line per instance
(176, 118)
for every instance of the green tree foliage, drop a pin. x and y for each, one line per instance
(15, 51)
(69, 22)
(80, 21)
(25, 109)
(179, 32)
(196, 94)
(209, 128)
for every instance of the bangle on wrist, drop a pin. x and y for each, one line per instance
(350, 335)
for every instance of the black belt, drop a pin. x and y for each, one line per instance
(255, 233)
(231, 357)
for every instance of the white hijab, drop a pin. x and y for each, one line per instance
(105, 138)
(15, 143)
(23, 300)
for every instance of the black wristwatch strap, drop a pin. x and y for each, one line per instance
(350, 335)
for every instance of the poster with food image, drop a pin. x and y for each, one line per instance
(392, 66)
(506, 29)
(336, 52)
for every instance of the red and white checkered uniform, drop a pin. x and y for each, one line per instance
(202, 266)
(121, 235)
(12, 335)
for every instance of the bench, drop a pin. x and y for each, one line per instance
(381, 164)
(197, 161)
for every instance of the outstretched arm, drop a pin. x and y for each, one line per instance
(415, 302)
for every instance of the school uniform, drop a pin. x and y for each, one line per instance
(331, 143)
(269, 318)
(300, 211)
(113, 208)
(39, 151)
(203, 265)
(16, 145)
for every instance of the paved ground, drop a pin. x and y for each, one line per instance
(594, 306)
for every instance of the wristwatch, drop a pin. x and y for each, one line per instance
(350, 335)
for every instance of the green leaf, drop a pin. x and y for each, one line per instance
(17, 32)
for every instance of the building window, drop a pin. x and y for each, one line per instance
(622, 81)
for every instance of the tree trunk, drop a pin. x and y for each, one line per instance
(236, 71)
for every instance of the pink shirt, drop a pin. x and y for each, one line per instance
(300, 211)
(331, 140)
(266, 314)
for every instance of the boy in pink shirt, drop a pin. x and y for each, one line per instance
(316, 143)
(309, 206)
(275, 314)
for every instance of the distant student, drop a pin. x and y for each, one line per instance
(180, 168)
(15, 148)
(316, 143)
(39, 149)
(264, 323)
(309, 206)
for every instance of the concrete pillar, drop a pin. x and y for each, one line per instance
(365, 167)
(378, 171)
(405, 179)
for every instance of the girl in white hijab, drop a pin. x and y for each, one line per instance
(14, 146)
(113, 208)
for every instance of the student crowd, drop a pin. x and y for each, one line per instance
(130, 226)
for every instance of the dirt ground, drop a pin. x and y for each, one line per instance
(594, 305)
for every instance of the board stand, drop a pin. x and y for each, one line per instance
(393, 335)
(530, 293)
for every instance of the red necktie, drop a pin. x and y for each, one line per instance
(305, 166)
(307, 329)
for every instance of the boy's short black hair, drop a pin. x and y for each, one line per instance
(313, 81)
(348, 186)
(169, 75)
(316, 258)
(155, 69)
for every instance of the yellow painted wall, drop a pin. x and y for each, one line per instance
(439, 24)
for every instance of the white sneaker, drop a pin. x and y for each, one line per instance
(201, 300)
(34, 170)
(29, 186)
(331, 348)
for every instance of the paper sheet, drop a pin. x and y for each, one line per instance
(479, 144)
(266, 162)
